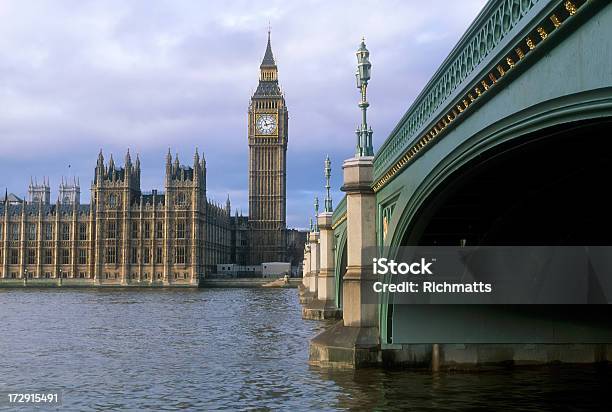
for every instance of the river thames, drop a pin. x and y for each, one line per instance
(210, 349)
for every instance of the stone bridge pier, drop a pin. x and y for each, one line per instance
(323, 305)
(304, 288)
(355, 339)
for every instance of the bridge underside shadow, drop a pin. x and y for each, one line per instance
(548, 188)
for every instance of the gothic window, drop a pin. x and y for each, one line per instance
(48, 231)
(134, 256)
(134, 230)
(14, 231)
(159, 230)
(180, 255)
(48, 257)
(82, 256)
(65, 231)
(112, 200)
(147, 230)
(1, 231)
(31, 229)
(146, 256)
(180, 199)
(31, 257)
(111, 230)
(159, 256)
(82, 231)
(111, 255)
(65, 256)
(180, 229)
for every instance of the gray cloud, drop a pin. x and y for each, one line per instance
(77, 76)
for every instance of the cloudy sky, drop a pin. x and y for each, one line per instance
(77, 76)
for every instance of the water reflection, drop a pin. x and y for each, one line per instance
(531, 389)
(234, 349)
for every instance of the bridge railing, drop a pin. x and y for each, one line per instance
(500, 22)
(339, 214)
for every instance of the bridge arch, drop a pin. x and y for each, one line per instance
(340, 268)
(564, 140)
(578, 111)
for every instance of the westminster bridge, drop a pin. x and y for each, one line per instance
(508, 143)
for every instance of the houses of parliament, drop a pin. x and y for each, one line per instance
(126, 236)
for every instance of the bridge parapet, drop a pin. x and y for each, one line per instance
(339, 215)
(500, 38)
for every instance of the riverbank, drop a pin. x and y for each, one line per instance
(89, 283)
(246, 283)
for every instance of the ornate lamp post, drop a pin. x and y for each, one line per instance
(316, 205)
(364, 133)
(328, 199)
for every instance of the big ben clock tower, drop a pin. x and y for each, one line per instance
(268, 124)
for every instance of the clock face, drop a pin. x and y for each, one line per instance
(266, 124)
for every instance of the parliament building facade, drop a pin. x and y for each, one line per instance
(177, 237)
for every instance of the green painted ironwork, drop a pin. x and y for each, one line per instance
(340, 212)
(572, 83)
(339, 252)
(364, 132)
(339, 228)
(497, 25)
(328, 199)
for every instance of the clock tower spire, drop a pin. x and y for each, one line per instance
(267, 136)
(268, 75)
(268, 69)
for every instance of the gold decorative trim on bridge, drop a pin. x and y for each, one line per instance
(339, 221)
(486, 83)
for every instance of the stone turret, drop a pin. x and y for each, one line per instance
(70, 192)
(39, 193)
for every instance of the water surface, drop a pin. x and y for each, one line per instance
(233, 349)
